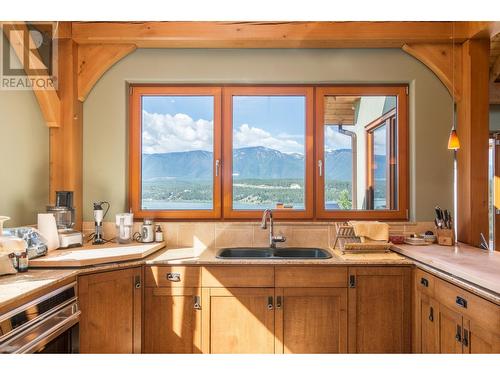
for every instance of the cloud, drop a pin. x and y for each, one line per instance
(163, 133)
(249, 136)
(335, 140)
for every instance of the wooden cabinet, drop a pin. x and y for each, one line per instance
(379, 310)
(172, 320)
(429, 328)
(111, 311)
(462, 322)
(311, 320)
(238, 320)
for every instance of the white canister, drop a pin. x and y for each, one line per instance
(48, 228)
(148, 231)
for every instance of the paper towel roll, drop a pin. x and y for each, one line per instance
(48, 228)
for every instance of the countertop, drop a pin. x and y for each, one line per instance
(477, 270)
(462, 261)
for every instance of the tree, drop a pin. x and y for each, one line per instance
(344, 200)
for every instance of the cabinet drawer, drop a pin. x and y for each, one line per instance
(237, 276)
(311, 277)
(425, 282)
(482, 311)
(172, 276)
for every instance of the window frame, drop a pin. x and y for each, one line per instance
(137, 92)
(401, 93)
(388, 119)
(227, 155)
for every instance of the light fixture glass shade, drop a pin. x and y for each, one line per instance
(453, 141)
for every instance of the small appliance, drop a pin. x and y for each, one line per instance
(148, 231)
(64, 213)
(124, 223)
(99, 214)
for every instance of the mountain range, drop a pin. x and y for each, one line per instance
(248, 163)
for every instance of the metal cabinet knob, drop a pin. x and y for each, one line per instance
(270, 303)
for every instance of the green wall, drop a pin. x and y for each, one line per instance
(105, 110)
(24, 158)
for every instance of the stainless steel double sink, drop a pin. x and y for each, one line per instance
(273, 253)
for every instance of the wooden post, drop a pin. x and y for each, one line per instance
(66, 142)
(472, 157)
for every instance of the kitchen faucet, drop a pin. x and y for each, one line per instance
(272, 238)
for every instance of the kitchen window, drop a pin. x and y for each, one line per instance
(268, 151)
(361, 152)
(175, 146)
(326, 152)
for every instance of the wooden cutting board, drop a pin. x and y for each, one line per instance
(92, 255)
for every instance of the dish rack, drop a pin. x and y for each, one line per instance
(348, 242)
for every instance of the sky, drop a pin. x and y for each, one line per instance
(185, 123)
(180, 123)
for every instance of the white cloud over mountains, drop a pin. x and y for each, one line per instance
(249, 136)
(164, 133)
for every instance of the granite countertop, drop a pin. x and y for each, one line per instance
(462, 261)
(472, 268)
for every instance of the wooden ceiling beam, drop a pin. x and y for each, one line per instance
(269, 34)
(439, 59)
(494, 92)
(495, 70)
(94, 60)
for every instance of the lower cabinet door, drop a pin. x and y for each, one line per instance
(480, 340)
(311, 320)
(111, 311)
(429, 325)
(450, 331)
(379, 310)
(238, 320)
(172, 320)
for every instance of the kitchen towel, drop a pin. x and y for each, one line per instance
(48, 228)
(371, 230)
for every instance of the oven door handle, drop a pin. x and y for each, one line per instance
(47, 336)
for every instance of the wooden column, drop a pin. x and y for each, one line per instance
(66, 142)
(472, 128)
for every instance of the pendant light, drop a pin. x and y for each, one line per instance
(453, 141)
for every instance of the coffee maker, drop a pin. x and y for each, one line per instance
(64, 212)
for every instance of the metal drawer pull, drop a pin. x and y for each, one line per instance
(173, 276)
(197, 304)
(278, 302)
(465, 340)
(431, 314)
(424, 282)
(458, 335)
(270, 303)
(462, 302)
(352, 281)
(137, 282)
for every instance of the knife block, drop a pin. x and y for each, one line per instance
(445, 237)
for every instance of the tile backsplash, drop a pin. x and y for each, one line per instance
(223, 234)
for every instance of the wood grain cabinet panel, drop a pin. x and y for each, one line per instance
(311, 320)
(461, 321)
(450, 331)
(237, 276)
(111, 311)
(172, 276)
(379, 310)
(172, 320)
(311, 277)
(429, 328)
(238, 320)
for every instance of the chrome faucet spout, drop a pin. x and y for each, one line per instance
(272, 238)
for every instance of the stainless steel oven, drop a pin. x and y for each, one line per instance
(48, 324)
